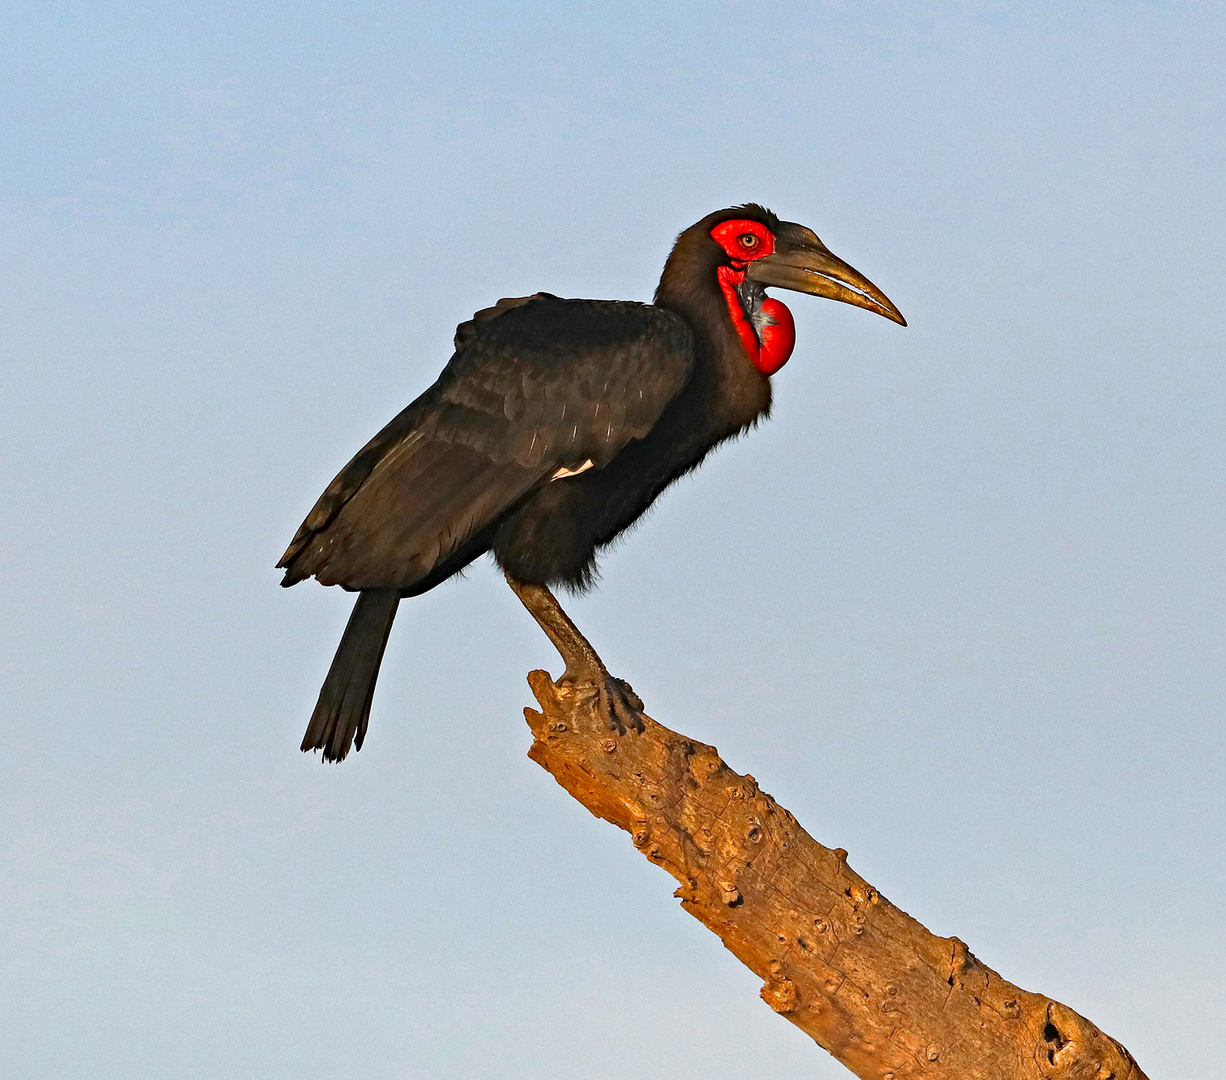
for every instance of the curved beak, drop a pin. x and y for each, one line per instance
(801, 262)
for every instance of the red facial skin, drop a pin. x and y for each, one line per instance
(745, 241)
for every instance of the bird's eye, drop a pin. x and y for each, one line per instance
(748, 241)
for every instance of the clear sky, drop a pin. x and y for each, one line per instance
(960, 605)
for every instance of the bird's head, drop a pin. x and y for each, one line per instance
(744, 249)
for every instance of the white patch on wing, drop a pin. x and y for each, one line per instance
(562, 473)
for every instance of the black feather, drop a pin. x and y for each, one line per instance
(343, 709)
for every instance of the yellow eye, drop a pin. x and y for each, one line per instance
(748, 241)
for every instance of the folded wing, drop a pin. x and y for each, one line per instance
(537, 384)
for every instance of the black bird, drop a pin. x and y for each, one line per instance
(553, 428)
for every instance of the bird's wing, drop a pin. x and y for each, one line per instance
(537, 384)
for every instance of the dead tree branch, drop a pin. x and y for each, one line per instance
(885, 996)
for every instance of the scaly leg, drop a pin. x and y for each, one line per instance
(618, 701)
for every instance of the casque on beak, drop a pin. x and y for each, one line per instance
(802, 263)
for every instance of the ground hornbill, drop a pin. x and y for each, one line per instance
(554, 427)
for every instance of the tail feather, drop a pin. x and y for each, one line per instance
(343, 709)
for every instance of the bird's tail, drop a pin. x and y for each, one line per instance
(343, 709)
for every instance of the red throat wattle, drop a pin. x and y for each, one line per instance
(744, 241)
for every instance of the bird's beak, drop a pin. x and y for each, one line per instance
(801, 262)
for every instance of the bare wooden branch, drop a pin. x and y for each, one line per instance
(885, 996)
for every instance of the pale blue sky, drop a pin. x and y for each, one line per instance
(960, 605)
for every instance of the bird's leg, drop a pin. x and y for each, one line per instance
(620, 704)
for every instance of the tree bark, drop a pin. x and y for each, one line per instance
(888, 998)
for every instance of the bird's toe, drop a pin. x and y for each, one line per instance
(621, 705)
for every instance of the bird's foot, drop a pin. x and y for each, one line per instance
(618, 702)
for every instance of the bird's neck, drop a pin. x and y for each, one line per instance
(737, 394)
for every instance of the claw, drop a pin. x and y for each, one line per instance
(632, 699)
